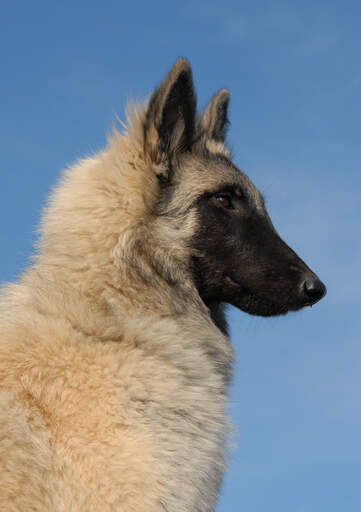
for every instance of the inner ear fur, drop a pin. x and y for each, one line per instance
(170, 117)
(213, 121)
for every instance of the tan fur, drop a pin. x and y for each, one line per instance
(217, 148)
(111, 395)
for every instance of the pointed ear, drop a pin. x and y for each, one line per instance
(213, 121)
(170, 118)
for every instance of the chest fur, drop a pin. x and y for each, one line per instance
(131, 427)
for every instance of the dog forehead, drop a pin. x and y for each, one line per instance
(212, 174)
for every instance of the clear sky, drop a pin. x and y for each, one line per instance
(294, 73)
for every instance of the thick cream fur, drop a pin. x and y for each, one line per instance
(112, 391)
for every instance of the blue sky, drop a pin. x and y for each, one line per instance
(293, 70)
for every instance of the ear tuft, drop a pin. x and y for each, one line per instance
(214, 121)
(170, 117)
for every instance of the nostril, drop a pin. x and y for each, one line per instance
(314, 289)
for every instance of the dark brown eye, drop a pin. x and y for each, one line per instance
(224, 200)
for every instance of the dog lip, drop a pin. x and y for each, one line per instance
(243, 289)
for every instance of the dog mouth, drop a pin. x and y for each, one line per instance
(277, 300)
(255, 304)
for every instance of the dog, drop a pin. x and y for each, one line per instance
(114, 354)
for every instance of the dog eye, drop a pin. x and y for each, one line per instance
(224, 200)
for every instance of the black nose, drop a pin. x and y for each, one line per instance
(314, 289)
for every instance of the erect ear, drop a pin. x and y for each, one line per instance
(170, 117)
(213, 121)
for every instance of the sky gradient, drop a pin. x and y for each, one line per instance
(294, 74)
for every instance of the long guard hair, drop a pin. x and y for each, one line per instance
(114, 354)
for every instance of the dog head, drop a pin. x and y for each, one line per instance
(235, 254)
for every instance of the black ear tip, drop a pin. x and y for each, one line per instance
(180, 75)
(222, 101)
(223, 95)
(182, 65)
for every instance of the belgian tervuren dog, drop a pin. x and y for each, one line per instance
(114, 355)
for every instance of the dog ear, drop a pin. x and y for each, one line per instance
(170, 117)
(214, 121)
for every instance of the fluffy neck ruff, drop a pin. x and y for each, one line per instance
(100, 233)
